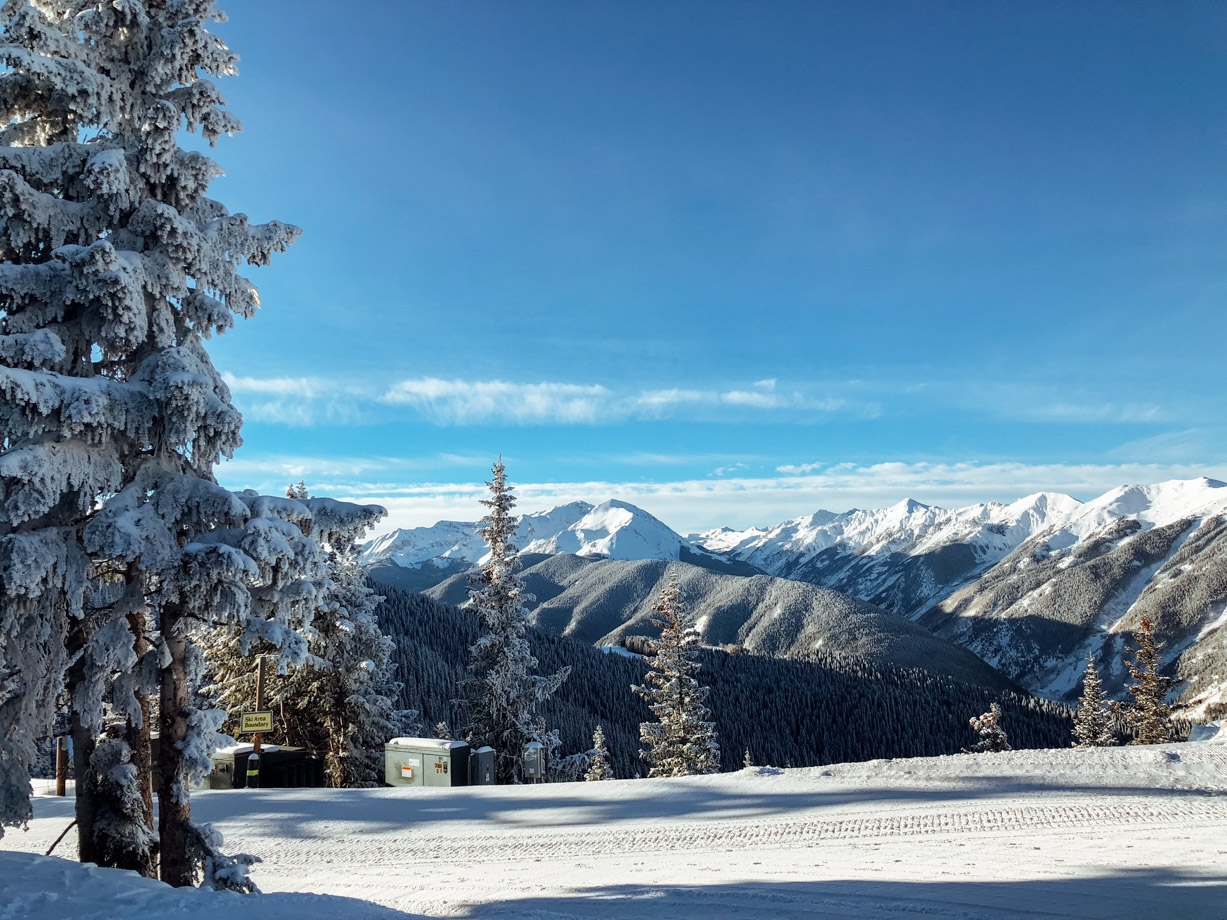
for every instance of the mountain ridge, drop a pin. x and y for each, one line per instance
(1031, 586)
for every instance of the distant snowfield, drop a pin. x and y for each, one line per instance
(1116, 833)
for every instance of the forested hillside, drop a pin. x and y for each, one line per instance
(804, 713)
(602, 601)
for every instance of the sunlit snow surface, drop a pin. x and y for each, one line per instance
(1116, 833)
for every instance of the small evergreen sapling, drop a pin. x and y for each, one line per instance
(1093, 720)
(683, 740)
(1148, 715)
(992, 737)
(599, 771)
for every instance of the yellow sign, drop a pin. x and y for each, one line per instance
(251, 722)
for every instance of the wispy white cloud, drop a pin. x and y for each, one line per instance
(689, 505)
(464, 402)
(299, 401)
(797, 469)
(667, 400)
(308, 400)
(304, 387)
(1065, 411)
(1174, 446)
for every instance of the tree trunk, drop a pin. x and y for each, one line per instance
(138, 738)
(85, 803)
(174, 808)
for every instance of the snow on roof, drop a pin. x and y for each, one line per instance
(246, 749)
(435, 743)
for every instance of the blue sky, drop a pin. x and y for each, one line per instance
(730, 261)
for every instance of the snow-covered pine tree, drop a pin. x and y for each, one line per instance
(341, 701)
(113, 266)
(1148, 715)
(599, 770)
(683, 739)
(443, 731)
(502, 695)
(262, 578)
(992, 737)
(1093, 719)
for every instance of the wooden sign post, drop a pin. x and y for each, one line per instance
(256, 723)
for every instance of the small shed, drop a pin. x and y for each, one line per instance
(426, 762)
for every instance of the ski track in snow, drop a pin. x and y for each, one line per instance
(727, 837)
(1105, 834)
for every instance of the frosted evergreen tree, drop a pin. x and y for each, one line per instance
(113, 267)
(683, 739)
(992, 737)
(1148, 715)
(117, 546)
(341, 700)
(599, 769)
(443, 731)
(503, 694)
(1093, 719)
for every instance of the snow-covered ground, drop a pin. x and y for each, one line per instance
(1115, 833)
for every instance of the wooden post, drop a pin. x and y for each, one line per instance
(253, 762)
(61, 766)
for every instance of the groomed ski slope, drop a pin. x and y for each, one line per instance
(1113, 833)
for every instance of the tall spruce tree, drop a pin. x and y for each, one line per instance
(683, 739)
(503, 694)
(1093, 719)
(1148, 715)
(113, 267)
(117, 545)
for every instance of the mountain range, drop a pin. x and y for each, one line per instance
(611, 530)
(1031, 587)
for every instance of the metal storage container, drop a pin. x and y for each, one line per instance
(534, 762)
(426, 762)
(481, 767)
(279, 766)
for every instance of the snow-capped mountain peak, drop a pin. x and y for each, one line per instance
(613, 528)
(616, 529)
(1153, 505)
